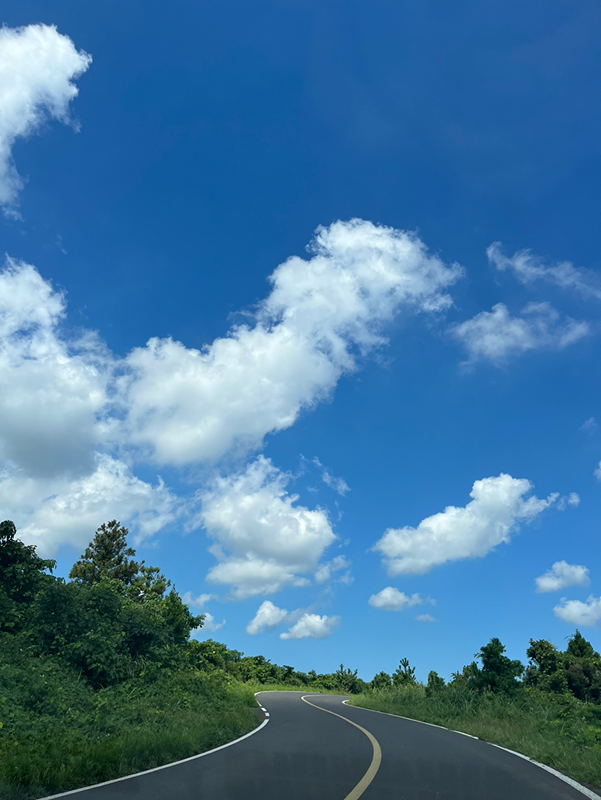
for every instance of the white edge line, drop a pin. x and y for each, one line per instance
(574, 784)
(156, 769)
(570, 781)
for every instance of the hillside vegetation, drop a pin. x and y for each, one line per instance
(99, 678)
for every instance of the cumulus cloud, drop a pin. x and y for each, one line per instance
(53, 392)
(497, 335)
(66, 402)
(51, 511)
(38, 66)
(528, 269)
(498, 506)
(425, 618)
(267, 617)
(264, 540)
(578, 613)
(184, 405)
(561, 575)
(311, 626)
(390, 599)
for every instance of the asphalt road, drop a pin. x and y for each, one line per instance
(303, 753)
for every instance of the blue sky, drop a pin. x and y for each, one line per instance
(172, 355)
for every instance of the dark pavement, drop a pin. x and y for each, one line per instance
(305, 754)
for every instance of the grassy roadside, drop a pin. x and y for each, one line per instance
(86, 738)
(556, 730)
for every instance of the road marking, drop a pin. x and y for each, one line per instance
(164, 766)
(376, 758)
(570, 781)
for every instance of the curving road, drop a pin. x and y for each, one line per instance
(303, 753)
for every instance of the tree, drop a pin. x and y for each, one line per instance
(404, 674)
(546, 667)
(107, 556)
(498, 673)
(435, 683)
(582, 666)
(346, 679)
(381, 681)
(22, 575)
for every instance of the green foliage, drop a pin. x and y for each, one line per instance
(577, 670)
(546, 667)
(99, 677)
(435, 684)
(59, 733)
(404, 675)
(107, 556)
(22, 575)
(497, 674)
(582, 666)
(381, 681)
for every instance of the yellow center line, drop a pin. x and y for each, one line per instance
(375, 761)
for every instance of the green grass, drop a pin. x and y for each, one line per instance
(84, 737)
(555, 730)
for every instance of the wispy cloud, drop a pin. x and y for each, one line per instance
(529, 268)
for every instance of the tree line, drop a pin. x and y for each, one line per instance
(117, 619)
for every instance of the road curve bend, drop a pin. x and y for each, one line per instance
(314, 747)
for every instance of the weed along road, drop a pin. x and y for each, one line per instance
(314, 747)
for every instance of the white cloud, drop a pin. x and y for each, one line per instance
(325, 571)
(53, 392)
(264, 541)
(66, 402)
(529, 268)
(339, 485)
(496, 335)
(578, 613)
(197, 602)
(597, 472)
(37, 65)
(390, 599)
(590, 425)
(425, 618)
(311, 626)
(572, 499)
(187, 405)
(209, 625)
(268, 616)
(497, 507)
(561, 575)
(49, 512)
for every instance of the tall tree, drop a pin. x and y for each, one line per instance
(498, 672)
(107, 556)
(404, 675)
